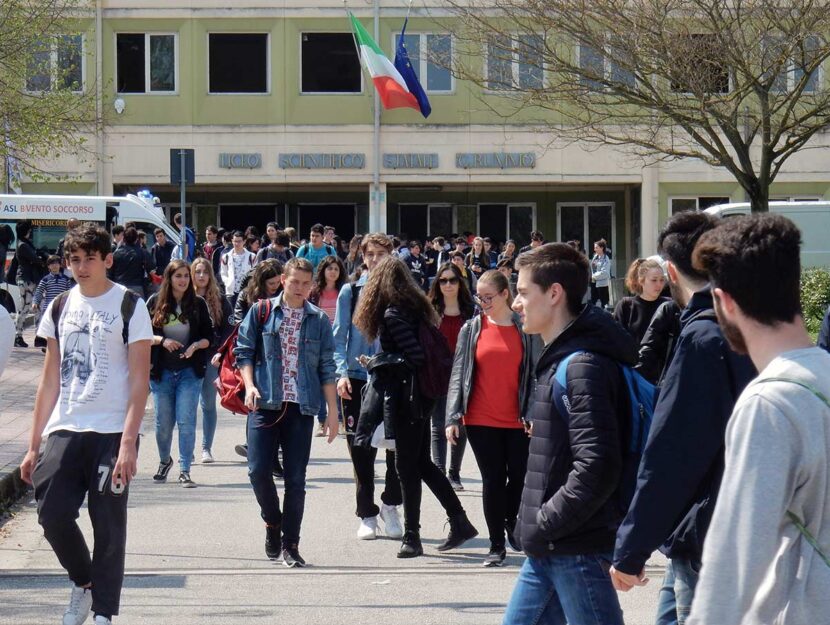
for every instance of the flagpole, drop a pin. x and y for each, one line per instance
(381, 216)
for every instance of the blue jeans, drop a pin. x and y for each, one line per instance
(293, 431)
(560, 590)
(207, 400)
(675, 599)
(176, 396)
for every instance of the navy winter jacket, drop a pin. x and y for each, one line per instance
(682, 465)
(575, 463)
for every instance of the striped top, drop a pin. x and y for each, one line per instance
(50, 286)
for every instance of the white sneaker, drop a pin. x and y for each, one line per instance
(207, 457)
(391, 521)
(80, 603)
(368, 529)
(102, 620)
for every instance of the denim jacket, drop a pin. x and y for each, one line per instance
(348, 340)
(260, 347)
(601, 270)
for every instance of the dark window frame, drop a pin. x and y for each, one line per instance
(267, 68)
(330, 93)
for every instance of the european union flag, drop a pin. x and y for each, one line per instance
(404, 67)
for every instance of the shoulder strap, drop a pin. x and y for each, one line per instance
(58, 304)
(302, 251)
(355, 293)
(127, 309)
(263, 310)
(559, 386)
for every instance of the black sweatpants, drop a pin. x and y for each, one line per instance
(412, 447)
(501, 455)
(363, 461)
(75, 465)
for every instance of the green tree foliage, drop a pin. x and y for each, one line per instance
(815, 297)
(47, 105)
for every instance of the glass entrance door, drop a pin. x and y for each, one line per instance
(586, 223)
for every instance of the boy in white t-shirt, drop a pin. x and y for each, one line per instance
(89, 404)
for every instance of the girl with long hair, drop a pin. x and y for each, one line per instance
(329, 279)
(391, 307)
(646, 280)
(182, 332)
(263, 282)
(478, 261)
(488, 395)
(600, 274)
(509, 253)
(454, 304)
(201, 273)
(270, 236)
(353, 258)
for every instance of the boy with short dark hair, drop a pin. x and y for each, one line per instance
(50, 286)
(89, 404)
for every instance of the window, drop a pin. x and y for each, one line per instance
(682, 204)
(146, 63)
(56, 63)
(330, 64)
(238, 62)
(698, 65)
(598, 65)
(515, 62)
(431, 56)
(800, 60)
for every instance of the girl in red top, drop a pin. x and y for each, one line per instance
(497, 349)
(453, 301)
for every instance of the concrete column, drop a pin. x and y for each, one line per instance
(649, 210)
(377, 208)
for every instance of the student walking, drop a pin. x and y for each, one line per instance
(91, 415)
(221, 317)
(645, 278)
(182, 333)
(488, 396)
(28, 274)
(391, 309)
(316, 249)
(600, 274)
(350, 348)
(766, 557)
(454, 304)
(50, 286)
(234, 266)
(287, 365)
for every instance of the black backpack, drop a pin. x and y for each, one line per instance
(434, 376)
(127, 310)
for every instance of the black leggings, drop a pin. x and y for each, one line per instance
(501, 455)
(413, 464)
(600, 293)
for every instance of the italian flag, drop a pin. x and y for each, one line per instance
(388, 81)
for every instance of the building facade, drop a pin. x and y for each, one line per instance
(272, 99)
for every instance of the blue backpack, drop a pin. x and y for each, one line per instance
(641, 400)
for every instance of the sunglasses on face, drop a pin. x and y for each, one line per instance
(444, 281)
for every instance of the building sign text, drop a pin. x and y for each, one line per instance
(322, 161)
(495, 160)
(410, 161)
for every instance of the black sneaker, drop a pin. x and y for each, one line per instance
(163, 470)
(411, 546)
(19, 342)
(455, 481)
(272, 542)
(510, 529)
(278, 471)
(242, 450)
(495, 557)
(461, 530)
(185, 481)
(291, 557)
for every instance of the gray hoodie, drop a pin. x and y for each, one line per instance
(757, 568)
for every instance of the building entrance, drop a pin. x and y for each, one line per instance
(240, 216)
(342, 217)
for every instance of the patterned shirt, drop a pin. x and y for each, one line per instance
(290, 345)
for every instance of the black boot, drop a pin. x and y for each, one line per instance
(273, 542)
(411, 546)
(461, 530)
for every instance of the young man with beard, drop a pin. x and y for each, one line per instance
(682, 465)
(759, 565)
(569, 511)
(350, 347)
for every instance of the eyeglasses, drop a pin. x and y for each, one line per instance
(444, 281)
(484, 299)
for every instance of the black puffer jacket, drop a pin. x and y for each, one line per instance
(573, 471)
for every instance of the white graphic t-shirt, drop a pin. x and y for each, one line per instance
(241, 265)
(290, 344)
(94, 367)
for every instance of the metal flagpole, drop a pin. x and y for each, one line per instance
(381, 219)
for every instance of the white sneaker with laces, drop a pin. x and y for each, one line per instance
(207, 457)
(368, 529)
(80, 603)
(102, 620)
(391, 521)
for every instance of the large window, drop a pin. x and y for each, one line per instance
(794, 64)
(330, 64)
(146, 63)
(699, 66)
(692, 203)
(56, 63)
(599, 65)
(238, 62)
(515, 62)
(431, 56)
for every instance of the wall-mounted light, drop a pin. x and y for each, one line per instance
(119, 105)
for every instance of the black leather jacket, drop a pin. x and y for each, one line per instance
(463, 368)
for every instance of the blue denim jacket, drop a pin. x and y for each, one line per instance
(261, 348)
(349, 342)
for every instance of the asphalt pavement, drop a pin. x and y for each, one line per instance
(197, 556)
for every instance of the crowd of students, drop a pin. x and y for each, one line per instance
(731, 484)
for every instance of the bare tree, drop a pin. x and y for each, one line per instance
(46, 107)
(734, 83)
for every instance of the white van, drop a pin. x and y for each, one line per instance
(49, 213)
(812, 218)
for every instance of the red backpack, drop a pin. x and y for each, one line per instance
(229, 384)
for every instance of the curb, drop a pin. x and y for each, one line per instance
(12, 488)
